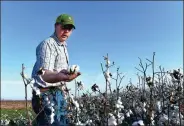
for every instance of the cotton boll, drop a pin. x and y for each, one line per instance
(144, 109)
(130, 111)
(112, 120)
(144, 104)
(79, 123)
(159, 106)
(135, 123)
(128, 114)
(119, 101)
(6, 122)
(108, 62)
(141, 123)
(52, 117)
(138, 123)
(25, 75)
(76, 104)
(120, 117)
(81, 105)
(163, 118)
(108, 79)
(107, 76)
(73, 69)
(117, 106)
(88, 122)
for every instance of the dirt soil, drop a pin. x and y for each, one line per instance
(14, 104)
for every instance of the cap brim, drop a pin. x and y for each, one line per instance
(69, 24)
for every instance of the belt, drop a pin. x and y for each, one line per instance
(47, 89)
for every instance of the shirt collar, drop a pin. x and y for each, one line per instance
(57, 40)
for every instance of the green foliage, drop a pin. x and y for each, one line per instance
(16, 117)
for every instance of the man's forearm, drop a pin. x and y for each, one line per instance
(54, 77)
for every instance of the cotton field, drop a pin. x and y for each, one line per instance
(156, 100)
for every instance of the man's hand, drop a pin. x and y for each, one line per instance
(67, 76)
(73, 76)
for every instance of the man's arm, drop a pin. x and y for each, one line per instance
(54, 77)
(46, 60)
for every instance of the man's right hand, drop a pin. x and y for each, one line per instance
(68, 76)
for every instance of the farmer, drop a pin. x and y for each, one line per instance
(50, 75)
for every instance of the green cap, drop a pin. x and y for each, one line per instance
(65, 19)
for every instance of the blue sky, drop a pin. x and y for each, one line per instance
(124, 30)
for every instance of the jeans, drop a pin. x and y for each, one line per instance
(50, 107)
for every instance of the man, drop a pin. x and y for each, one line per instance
(50, 74)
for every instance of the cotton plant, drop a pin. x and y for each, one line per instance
(80, 85)
(5, 122)
(30, 81)
(107, 73)
(119, 116)
(76, 109)
(158, 106)
(132, 105)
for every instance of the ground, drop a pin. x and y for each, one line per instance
(14, 104)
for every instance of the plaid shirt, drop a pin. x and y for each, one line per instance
(52, 55)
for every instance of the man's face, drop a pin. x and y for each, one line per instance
(63, 32)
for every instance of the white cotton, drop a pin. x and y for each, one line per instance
(144, 109)
(159, 106)
(107, 76)
(140, 122)
(128, 114)
(119, 101)
(120, 117)
(163, 118)
(74, 69)
(135, 123)
(117, 106)
(108, 79)
(130, 111)
(76, 104)
(25, 75)
(81, 105)
(112, 120)
(79, 123)
(48, 102)
(52, 114)
(88, 122)
(144, 104)
(6, 122)
(108, 62)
